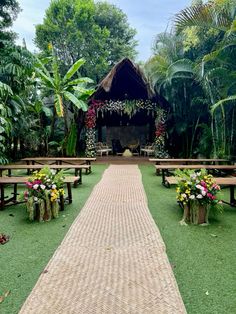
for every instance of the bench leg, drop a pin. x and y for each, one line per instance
(80, 176)
(15, 193)
(69, 192)
(2, 201)
(62, 202)
(232, 199)
(88, 163)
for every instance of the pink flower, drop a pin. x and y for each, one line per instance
(209, 195)
(203, 183)
(29, 185)
(37, 182)
(216, 187)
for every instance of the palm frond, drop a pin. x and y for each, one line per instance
(224, 102)
(204, 16)
(181, 66)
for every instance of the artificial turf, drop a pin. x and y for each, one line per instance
(31, 245)
(203, 258)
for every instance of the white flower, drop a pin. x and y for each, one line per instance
(183, 195)
(198, 186)
(35, 186)
(43, 187)
(203, 192)
(192, 197)
(54, 186)
(199, 196)
(35, 199)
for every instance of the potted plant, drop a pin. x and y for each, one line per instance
(198, 194)
(44, 190)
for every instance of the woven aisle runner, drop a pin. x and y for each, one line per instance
(113, 258)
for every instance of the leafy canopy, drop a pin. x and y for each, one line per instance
(98, 32)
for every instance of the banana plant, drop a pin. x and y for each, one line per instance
(63, 88)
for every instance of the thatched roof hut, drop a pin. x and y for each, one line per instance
(126, 81)
(123, 108)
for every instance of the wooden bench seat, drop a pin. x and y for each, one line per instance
(77, 168)
(61, 160)
(4, 181)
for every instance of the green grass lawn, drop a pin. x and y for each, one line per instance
(203, 258)
(31, 245)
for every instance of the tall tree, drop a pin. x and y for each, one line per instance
(8, 13)
(98, 32)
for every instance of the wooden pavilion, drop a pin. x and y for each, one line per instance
(124, 108)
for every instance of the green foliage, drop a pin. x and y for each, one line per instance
(97, 31)
(8, 13)
(214, 14)
(194, 68)
(71, 141)
(63, 88)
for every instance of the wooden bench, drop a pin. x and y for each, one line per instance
(165, 169)
(4, 181)
(78, 168)
(228, 181)
(188, 161)
(60, 161)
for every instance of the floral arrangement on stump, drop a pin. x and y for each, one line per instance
(198, 194)
(159, 143)
(44, 191)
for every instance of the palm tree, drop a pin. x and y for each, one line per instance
(218, 68)
(173, 76)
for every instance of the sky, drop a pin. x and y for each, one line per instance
(148, 17)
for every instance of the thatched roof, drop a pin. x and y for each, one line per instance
(126, 81)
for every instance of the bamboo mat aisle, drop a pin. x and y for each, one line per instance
(112, 259)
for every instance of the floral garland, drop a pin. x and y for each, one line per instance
(121, 107)
(159, 143)
(44, 190)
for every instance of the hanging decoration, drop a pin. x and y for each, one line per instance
(159, 143)
(128, 107)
